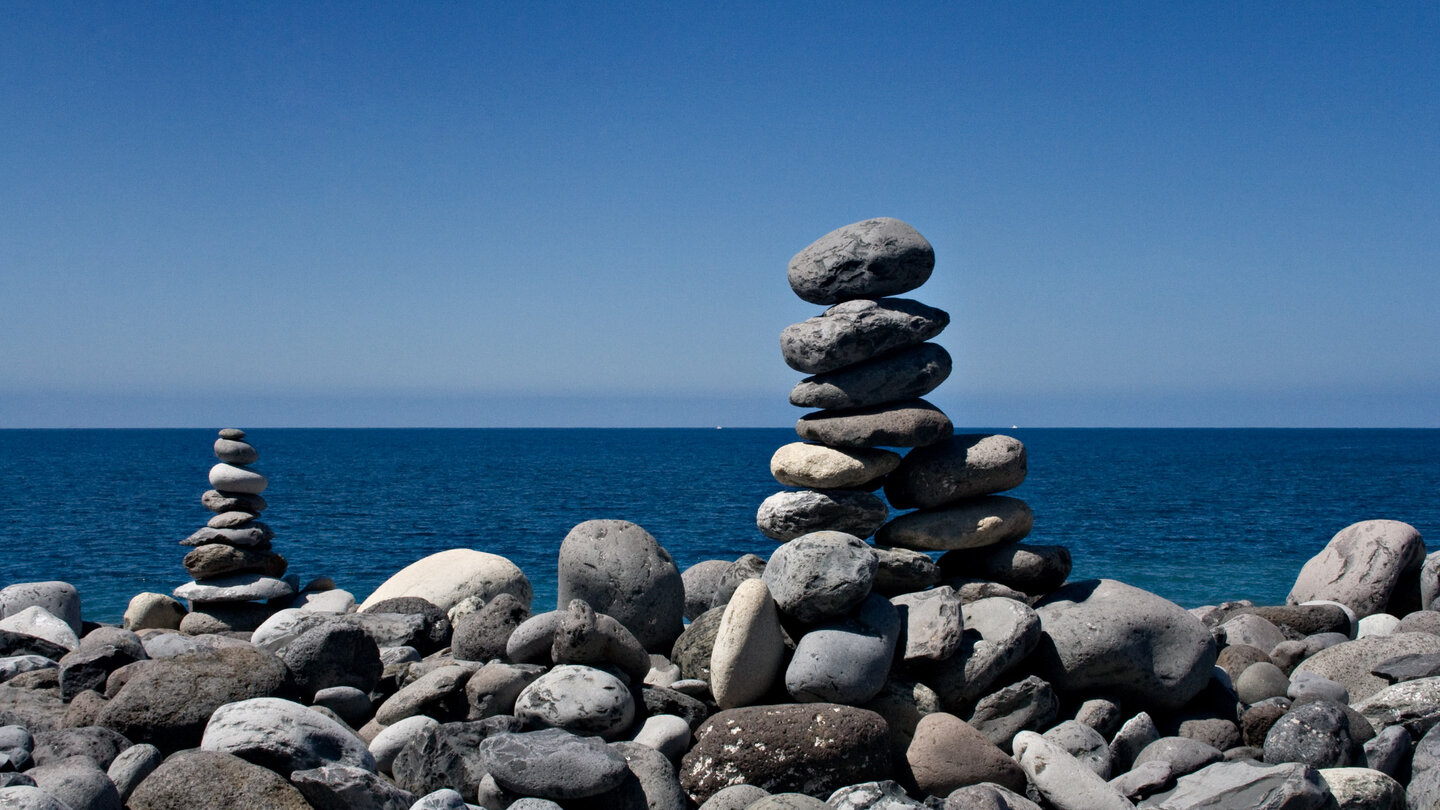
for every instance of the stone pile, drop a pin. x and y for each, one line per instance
(234, 569)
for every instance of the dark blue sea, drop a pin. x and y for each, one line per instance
(1197, 516)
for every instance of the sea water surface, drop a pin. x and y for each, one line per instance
(1197, 516)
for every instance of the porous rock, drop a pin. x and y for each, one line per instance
(866, 259)
(1361, 566)
(820, 575)
(620, 570)
(448, 755)
(787, 515)
(1351, 663)
(855, 331)
(196, 778)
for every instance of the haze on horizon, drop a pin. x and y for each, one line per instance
(548, 214)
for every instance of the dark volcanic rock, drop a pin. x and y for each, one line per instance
(907, 423)
(333, 654)
(481, 635)
(437, 628)
(904, 374)
(813, 749)
(448, 755)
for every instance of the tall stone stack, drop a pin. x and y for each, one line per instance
(234, 569)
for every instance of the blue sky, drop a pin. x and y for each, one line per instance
(580, 214)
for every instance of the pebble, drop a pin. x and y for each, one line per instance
(865, 259)
(907, 423)
(978, 523)
(816, 466)
(749, 647)
(903, 374)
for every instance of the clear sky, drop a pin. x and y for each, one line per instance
(270, 214)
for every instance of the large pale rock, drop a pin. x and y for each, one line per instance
(749, 647)
(847, 660)
(579, 699)
(59, 598)
(621, 571)
(1361, 566)
(866, 259)
(963, 466)
(947, 753)
(978, 523)
(229, 478)
(812, 748)
(283, 736)
(447, 577)
(907, 423)
(855, 331)
(37, 622)
(1412, 704)
(235, 588)
(820, 575)
(1363, 789)
(193, 779)
(148, 611)
(1109, 637)
(815, 466)
(1350, 663)
(903, 374)
(1064, 781)
(788, 515)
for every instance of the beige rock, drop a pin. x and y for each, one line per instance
(802, 464)
(1363, 788)
(447, 577)
(948, 753)
(975, 523)
(1361, 566)
(153, 610)
(749, 647)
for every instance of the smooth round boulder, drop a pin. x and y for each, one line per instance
(578, 699)
(552, 764)
(1361, 566)
(815, 466)
(788, 515)
(820, 575)
(283, 736)
(229, 478)
(1260, 681)
(947, 753)
(846, 660)
(147, 611)
(855, 331)
(977, 523)
(195, 778)
(1316, 733)
(907, 423)
(903, 374)
(332, 654)
(866, 259)
(620, 570)
(749, 647)
(445, 578)
(1108, 637)
(393, 738)
(234, 451)
(962, 466)
(60, 599)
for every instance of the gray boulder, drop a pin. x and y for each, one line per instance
(847, 660)
(393, 738)
(573, 767)
(344, 787)
(1412, 704)
(78, 783)
(1316, 733)
(820, 575)
(194, 778)
(620, 570)
(1084, 743)
(1351, 663)
(999, 633)
(985, 796)
(932, 623)
(579, 699)
(439, 693)
(283, 736)
(448, 755)
(1103, 635)
(1246, 784)
(98, 744)
(907, 423)
(885, 795)
(787, 515)
(962, 466)
(1361, 566)
(903, 374)
(1423, 790)
(482, 635)
(58, 598)
(332, 654)
(865, 259)
(1027, 705)
(1064, 781)
(855, 331)
(132, 766)
(903, 570)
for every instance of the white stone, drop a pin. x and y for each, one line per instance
(447, 577)
(1377, 624)
(749, 647)
(803, 464)
(41, 623)
(229, 478)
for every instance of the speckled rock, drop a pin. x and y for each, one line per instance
(694, 647)
(448, 755)
(1351, 662)
(903, 374)
(907, 423)
(933, 623)
(903, 570)
(578, 699)
(820, 575)
(1361, 566)
(283, 736)
(873, 257)
(1291, 786)
(621, 571)
(344, 787)
(552, 764)
(482, 635)
(1316, 733)
(194, 778)
(787, 515)
(815, 466)
(855, 331)
(977, 523)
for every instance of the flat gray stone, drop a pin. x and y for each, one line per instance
(1182, 754)
(902, 374)
(1361, 566)
(552, 764)
(257, 535)
(1027, 705)
(1408, 667)
(986, 521)
(620, 570)
(866, 259)
(1413, 704)
(788, 515)
(962, 466)
(821, 575)
(214, 560)
(907, 423)
(846, 660)
(235, 588)
(343, 787)
(283, 736)
(1084, 743)
(1291, 786)
(855, 331)
(1063, 780)
(933, 623)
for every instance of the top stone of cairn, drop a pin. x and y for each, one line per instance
(870, 259)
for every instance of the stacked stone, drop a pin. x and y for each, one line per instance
(234, 569)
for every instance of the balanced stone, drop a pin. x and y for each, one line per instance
(230, 520)
(232, 451)
(904, 570)
(985, 521)
(235, 588)
(229, 478)
(787, 515)
(902, 374)
(220, 502)
(257, 534)
(1362, 566)
(907, 423)
(800, 464)
(865, 259)
(962, 466)
(552, 764)
(855, 331)
(620, 570)
(217, 559)
(820, 575)
(847, 660)
(749, 647)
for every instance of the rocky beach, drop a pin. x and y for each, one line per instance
(928, 657)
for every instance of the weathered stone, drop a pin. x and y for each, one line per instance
(1408, 667)
(552, 764)
(695, 646)
(749, 647)
(217, 559)
(131, 766)
(1361, 566)
(1351, 662)
(855, 331)
(903, 570)
(1413, 704)
(988, 797)
(578, 699)
(1253, 630)
(439, 693)
(448, 755)
(621, 571)
(98, 744)
(447, 577)
(1259, 681)
(907, 423)
(1084, 743)
(1389, 750)
(1144, 780)
(435, 627)
(811, 748)
(986, 521)
(1029, 705)
(787, 515)
(219, 502)
(866, 259)
(1299, 621)
(815, 466)
(1133, 737)
(1316, 733)
(947, 753)
(39, 623)
(1064, 781)
(234, 451)
(344, 787)
(211, 618)
(846, 660)
(1291, 786)
(283, 736)
(1107, 636)
(482, 635)
(58, 598)
(820, 575)
(1363, 789)
(884, 795)
(332, 654)
(735, 797)
(1421, 621)
(932, 623)
(393, 738)
(960, 467)
(898, 375)
(998, 634)
(153, 611)
(235, 588)
(195, 778)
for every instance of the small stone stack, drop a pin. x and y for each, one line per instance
(234, 570)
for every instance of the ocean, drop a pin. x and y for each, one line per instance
(1197, 516)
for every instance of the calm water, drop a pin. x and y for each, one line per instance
(1194, 515)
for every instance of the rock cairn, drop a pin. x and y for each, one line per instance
(234, 569)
